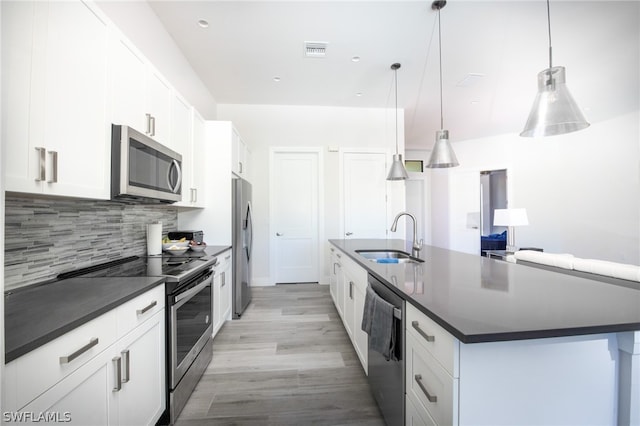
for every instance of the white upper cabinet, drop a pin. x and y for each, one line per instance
(54, 60)
(188, 137)
(140, 96)
(239, 156)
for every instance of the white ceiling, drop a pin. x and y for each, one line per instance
(248, 43)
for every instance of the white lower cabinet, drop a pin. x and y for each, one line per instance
(222, 281)
(350, 281)
(95, 381)
(415, 417)
(564, 380)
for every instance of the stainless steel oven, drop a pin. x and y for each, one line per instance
(189, 337)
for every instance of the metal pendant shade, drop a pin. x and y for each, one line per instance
(554, 110)
(442, 155)
(397, 171)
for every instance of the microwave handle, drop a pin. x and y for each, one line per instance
(175, 188)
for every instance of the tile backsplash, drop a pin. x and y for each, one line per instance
(47, 236)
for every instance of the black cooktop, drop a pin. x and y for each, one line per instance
(173, 268)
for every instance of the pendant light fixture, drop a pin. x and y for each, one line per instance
(397, 171)
(554, 110)
(442, 154)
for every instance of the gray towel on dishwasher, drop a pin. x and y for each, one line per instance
(378, 322)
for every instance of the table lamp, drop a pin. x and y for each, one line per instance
(510, 218)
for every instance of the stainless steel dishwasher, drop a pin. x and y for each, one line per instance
(386, 377)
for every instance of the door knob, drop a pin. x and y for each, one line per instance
(278, 234)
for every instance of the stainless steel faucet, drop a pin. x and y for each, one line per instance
(416, 246)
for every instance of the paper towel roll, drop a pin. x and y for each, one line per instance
(154, 239)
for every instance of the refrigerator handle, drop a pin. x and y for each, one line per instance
(249, 231)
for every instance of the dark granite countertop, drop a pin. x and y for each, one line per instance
(216, 250)
(478, 299)
(38, 314)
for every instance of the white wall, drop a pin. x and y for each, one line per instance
(143, 28)
(581, 190)
(266, 126)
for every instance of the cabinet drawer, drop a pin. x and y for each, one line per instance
(38, 370)
(415, 416)
(435, 339)
(429, 385)
(356, 272)
(138, 310)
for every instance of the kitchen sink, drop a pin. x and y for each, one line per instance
(388, 256)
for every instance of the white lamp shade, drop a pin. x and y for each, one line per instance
(510, 217)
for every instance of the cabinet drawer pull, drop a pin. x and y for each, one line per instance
(350, 289)
(227, 257)
(223, 278)
(117, 378)
(145, 309)
(42, 160)
(416, 325)
(339, 257)
(126, 374)
(76, 354)
(431, 398)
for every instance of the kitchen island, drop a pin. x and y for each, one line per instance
(529, 346)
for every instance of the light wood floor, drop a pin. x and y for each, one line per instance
(287, 361)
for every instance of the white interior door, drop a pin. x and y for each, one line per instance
(295, 204)
(365, 195)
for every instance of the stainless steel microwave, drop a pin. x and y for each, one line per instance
(142, 169)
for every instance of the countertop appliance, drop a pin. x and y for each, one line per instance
(189, 291)
(197, 236)
(242, 240)
(386, 377)
(142, 169)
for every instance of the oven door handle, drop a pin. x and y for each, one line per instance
(194, 290)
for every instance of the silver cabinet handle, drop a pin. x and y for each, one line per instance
(54, 165)
(339, 257)
(349, 233)
(334, 267)
(416, 325)
(431, 398)
(194, 195)
(278, 234)
(42, 175)
(117, 378)
(240, 166)
(332, 250)
(76, 354)
(153, 126)
(227, 257)
(146, 308)
(350, 289)
(223, 278)
(126, 374)
(148, 124)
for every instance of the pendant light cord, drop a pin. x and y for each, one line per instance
(396, 80)
(549, 25)
(440, 55)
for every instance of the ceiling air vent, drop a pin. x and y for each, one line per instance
(315, 49)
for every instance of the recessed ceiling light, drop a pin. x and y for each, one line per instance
(203, 24)
(358, 94)
(276, 79)
(355, 59)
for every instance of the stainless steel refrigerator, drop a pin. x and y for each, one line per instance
(242, 244)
